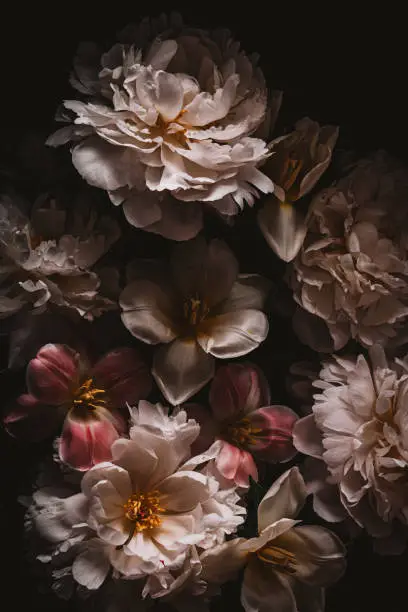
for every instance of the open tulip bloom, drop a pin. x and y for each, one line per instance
(64, 389)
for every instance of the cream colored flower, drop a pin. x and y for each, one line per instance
(352, 270)
(199, 308)
(169, 125)
(46, 258)
(141, 513)
(358, 438)
(297, 162)
(286, 566)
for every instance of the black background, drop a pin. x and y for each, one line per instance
(335, 64)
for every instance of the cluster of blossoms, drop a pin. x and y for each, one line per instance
(169, 475)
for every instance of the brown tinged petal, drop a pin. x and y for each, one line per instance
(181, 369)
(124, 376)
(233, 334)
(147, 312)
(53, 373)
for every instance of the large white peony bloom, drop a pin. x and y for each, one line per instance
(141, 513)
(168, 123)
(357, 437)
(46, 255)
(352, 270)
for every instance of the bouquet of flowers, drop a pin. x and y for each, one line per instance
(210, 314)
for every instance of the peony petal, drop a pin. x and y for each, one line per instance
(183, 491)
(91, 567)
(148, 312)
(142, 209)
(233, 334)
(140, 462)
(237, 389)
(53, 373)
(204, 270)
(261, 586)
(173, 529)
(124, 376)
(181, 369)
(31, 420)
(179, 220)
(284, 499)
(160, 90)
(273, 440)
(283, 227)
(111, 474)
(307, 438)
(86, 443)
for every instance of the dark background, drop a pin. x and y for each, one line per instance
(335, 64)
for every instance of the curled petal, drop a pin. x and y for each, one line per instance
(273, 438)
(181, 369)
(236, 389)
(53, 373)
(124, 376)
(284, 499)
(233, 334)
(86, 443)
(31, 420)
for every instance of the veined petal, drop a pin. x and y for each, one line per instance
(283, 227)
(53, 373)
(274, 426)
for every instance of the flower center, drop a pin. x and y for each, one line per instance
(280, 558)
(195, 310)
(142, 509)
(290, 171)
(241, 433)
(89, 396)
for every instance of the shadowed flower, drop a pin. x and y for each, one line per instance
(357, 443)
(62, 387)
(199, 308)
(287, 566)
(169, 124)
(46, 258)
(351, 274)
(297, 162)
(244, 420)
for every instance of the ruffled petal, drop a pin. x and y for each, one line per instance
(183, 491)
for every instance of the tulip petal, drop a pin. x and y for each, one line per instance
(31, 420)
(147, 312)
(246, 468)
(237, 389)
(124, 376)
(248, 291)
(283, 227)
(261, 586)
(228, 460)
(53, 373)
(284, 499)
(273, 442)
(181, 369)
(86, 443)
(233, 334)
(204, 270)
(208, 428)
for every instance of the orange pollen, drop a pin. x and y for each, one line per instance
(88, 395)
(241, 433)
(290, 171)
(195, 310)
(279, 558)
(143, 509)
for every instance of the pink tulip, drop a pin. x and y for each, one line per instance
(244, 420)
(63, 388)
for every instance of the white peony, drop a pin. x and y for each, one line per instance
(142, 513)
(352, 271)
(169, 124)
(357, 438)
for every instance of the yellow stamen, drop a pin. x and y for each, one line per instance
(143, 509)
(195, 310)
(280, 558)
(89, 396)
(242, 433)
(290, 171)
